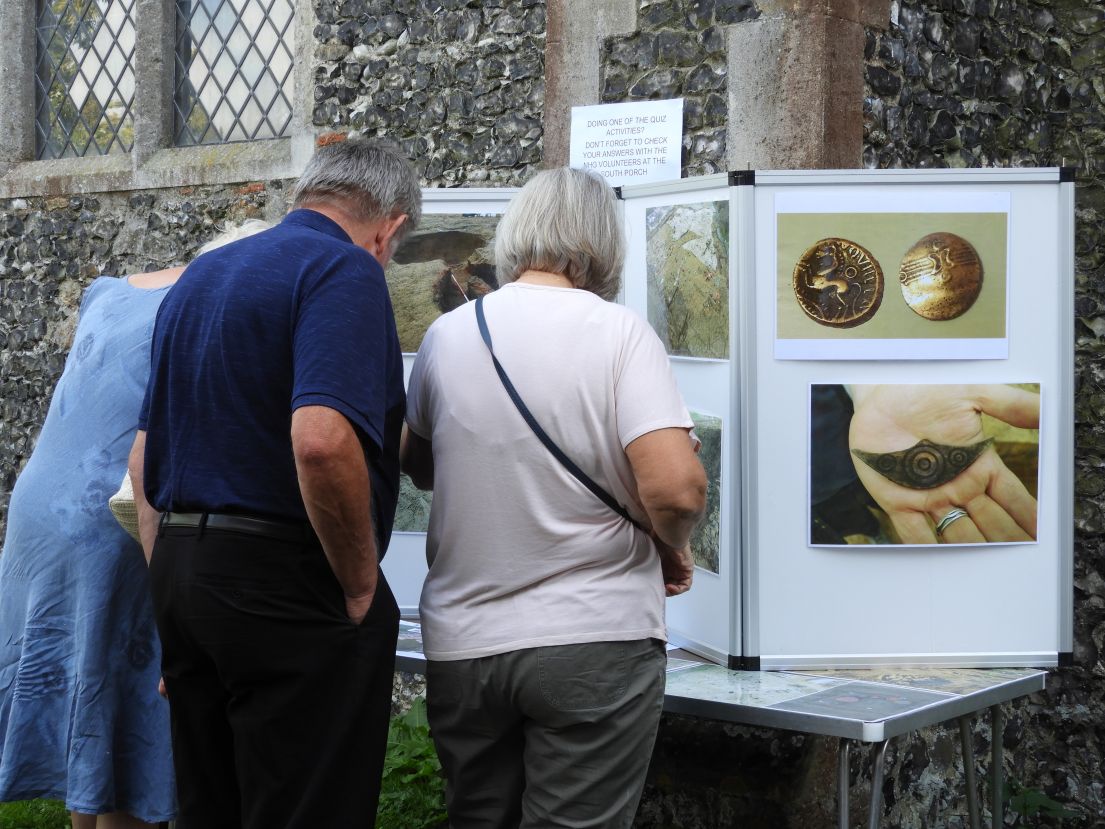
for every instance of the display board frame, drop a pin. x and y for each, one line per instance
(984, 606)
(405, 562)
(707, 620)
(996, 605)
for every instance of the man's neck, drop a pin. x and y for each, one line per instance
(358, 231)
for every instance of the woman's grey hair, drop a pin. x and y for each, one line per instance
(233, 232)
(563, 221)
(370, 179)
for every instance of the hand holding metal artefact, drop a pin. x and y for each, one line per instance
(925, 465)
(899, 419)
(941, 276)
(838, 283)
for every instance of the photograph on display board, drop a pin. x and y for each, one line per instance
(688, 277)
(706, 540)
(917, 464)
(907, 280)
(412, 511)
(447, 261)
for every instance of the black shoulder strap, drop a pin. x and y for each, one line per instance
(580, 475)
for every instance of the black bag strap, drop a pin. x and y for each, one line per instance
(542, 436)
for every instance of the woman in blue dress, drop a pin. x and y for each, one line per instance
(80, 717)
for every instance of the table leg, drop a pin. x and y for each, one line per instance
(997, 772)
(969, 770)
(842, 775)
(878, 773)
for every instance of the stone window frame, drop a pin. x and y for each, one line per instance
(154, 161)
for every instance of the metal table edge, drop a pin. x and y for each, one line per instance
(951, 707)
(960, 705)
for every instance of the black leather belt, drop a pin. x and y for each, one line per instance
(298, 533)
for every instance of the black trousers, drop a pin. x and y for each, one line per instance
(279, 704)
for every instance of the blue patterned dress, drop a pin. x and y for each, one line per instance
(80, 717)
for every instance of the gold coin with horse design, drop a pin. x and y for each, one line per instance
(838, 283)
(941, 276)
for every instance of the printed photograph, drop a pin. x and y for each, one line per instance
(924, 464)
(412, 513)
(924, 285)
(688, 277)
(410, 637)
(706, 541)
(448, 261)
(861, 700)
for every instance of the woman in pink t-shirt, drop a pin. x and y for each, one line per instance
(543, 610)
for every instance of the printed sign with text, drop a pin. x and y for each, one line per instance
(629, 143)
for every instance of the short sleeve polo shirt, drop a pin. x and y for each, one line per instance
(295, 316)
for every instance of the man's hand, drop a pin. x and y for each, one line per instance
(356, 608)
(895, 417)
(677, 566)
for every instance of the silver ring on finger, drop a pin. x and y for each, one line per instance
(953, 515)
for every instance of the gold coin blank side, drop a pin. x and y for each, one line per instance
(941, 276)
(838, 283)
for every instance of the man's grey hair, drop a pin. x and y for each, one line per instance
(563, 221)
(370, 179)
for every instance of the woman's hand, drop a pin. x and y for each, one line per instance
(677, 566)
(893, 418)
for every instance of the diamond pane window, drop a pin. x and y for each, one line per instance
(233, 70)
(84, 77)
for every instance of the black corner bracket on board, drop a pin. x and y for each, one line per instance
(1067, 173)
(736, 179)
(618, 193)
(1066, 659)
(744, 663)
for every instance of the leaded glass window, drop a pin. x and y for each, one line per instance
(84, 77)
(233, 70)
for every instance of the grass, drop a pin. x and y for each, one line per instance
(412, 795)
(34, 814)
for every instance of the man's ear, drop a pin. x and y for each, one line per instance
(385, 234)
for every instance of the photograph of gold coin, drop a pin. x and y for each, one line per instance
(941, 276)
(838, 283)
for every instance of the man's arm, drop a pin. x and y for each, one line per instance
(416, 458)
(148, 517)
(672, 486)
(334, 483)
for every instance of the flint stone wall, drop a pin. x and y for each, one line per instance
(679, 51)
(52, 248)
(459, 84)
(967, 83)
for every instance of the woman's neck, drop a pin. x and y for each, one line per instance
(554, 280)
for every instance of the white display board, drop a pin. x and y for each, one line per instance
(1003, 239)
(683, 246)
(777, 291)
(447, 261)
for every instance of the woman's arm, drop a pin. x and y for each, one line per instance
(671, 483)
(416, 459)
(148, 517)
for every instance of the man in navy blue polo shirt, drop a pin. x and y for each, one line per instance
(267, 452)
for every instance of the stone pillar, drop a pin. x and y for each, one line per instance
(17, 83)
(154, 77)
(796, 84)
(302, 130)
(574, 35)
